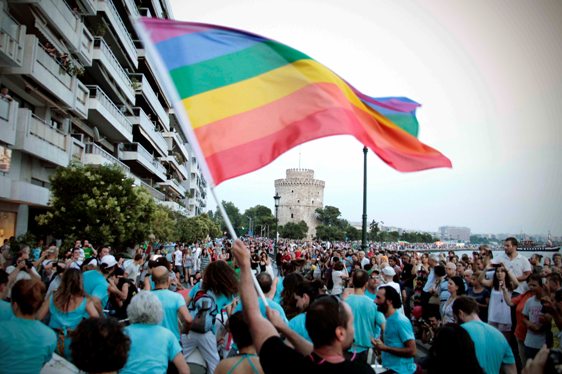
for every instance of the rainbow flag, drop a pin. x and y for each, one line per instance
(249, 99)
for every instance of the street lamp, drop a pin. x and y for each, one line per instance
(276, 198)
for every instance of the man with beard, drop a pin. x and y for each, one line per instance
(329, 322)
(399, 346)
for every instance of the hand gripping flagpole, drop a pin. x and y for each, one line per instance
(187, 129)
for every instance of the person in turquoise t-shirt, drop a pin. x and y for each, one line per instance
(399, 347)
(26, 344)
(68, 306)
(266, 282)
(365, 321)
(95, 282)
(492, 349)
(5, 307)
(219, 281)
(305, 294)
(152, 346)
(173, 304)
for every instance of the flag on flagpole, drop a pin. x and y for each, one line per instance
(249, 99)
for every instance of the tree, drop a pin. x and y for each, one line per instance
(261, 218)
(98, 203)
(163, 224)
(193, 229)
(332, 233)
(329, 216)
(293, 230)
(351, 233)
(233, 214)
(374, 230)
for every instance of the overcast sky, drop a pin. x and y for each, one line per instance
(488, 75)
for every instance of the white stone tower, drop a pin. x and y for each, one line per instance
(301, 195)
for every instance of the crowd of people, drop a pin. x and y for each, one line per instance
(226, 306)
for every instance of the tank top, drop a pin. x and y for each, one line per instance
(498, 309)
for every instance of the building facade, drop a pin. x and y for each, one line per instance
(454, 233)
(301, 195)
(77, 86)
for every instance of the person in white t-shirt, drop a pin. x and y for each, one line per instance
(517, 263)
(178, 263)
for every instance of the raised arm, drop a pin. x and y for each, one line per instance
(260, 328)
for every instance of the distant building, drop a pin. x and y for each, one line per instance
(454, 233)
(301, 195)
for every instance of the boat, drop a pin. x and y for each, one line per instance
(530, 246)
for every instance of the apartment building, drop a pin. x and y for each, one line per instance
(77, 86)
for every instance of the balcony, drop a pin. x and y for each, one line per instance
(12, 38)
(174, 186)
(47, 72)
(96, 155)
(144, 88)
(38, 138)
(107, 59)
(110, 120)
(123, 35)
(179, 168)
(136, 152)
(68, 24)
(29, 193)
(148, 130)
(89, 7)
(77, 150)
(159, 196)
(175, 142)
(158, 12)
(132, 8)
(8, 121)
(175, 207)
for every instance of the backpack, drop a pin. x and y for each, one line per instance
(204, 310)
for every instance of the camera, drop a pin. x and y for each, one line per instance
(28, 264)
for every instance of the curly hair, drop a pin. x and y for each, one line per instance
(220, 278)
(99, 345)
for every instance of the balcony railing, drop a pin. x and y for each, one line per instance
(147, 91)
(47, 133)
(136, 147)
(132, 8)
(121, 121)
(40, 139)
(68, 24)
(124, 35)
(77, 151)
(107, 158)
(156, 137)
(11, 40)
(8, 120)
(153, 191)
(107, 57)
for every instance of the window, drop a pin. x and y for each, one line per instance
(291, 215)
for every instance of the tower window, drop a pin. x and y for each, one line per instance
(298, 201)
(292, 191)
(291, 215)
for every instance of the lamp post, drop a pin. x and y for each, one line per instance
(364, 218)
(276, 198)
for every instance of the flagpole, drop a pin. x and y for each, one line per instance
(364, 233)
(187, 129)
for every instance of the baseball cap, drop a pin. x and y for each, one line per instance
(109, 261)
(387, 270)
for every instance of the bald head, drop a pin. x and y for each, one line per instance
(160, 275)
